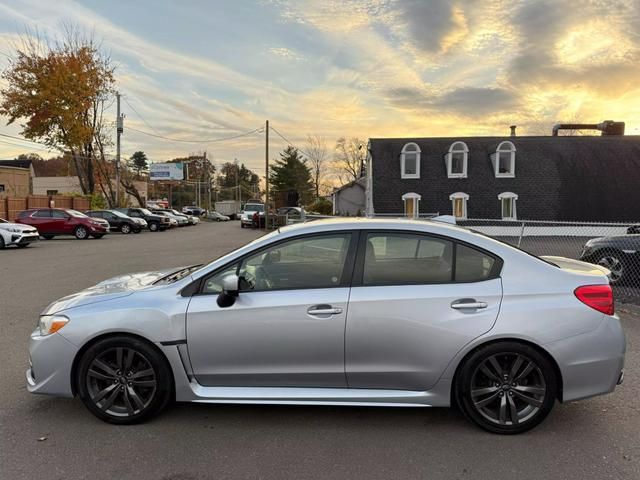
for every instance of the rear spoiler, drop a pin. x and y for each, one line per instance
(450, 219)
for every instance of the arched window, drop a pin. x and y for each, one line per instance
(459, 204)
(456, 160)
(411, 202)
(410, 161)
(504, 160)
(508, 205)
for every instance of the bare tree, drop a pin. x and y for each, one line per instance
(315, 150)
(349, 158)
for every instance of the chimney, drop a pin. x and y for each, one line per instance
(513, 130)
(608, 127)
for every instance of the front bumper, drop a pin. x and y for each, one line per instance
(50, 362)
(591, 363)
(24, 238)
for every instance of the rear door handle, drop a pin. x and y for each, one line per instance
(468, 304)
(323, 310)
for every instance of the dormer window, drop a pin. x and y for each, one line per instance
(456, 160)
(459, 204)
(508, 205)
(410, 161)
(504, 160)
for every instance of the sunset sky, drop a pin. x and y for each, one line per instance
(370, 68)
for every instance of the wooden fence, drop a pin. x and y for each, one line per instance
(11, 206)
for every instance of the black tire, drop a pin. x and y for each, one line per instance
(47, 237)
(525, 388)
(137, 230)
(1, 242)
(615, 262)
(125, 228)
(241, 224)
(107, 386)
(81, 233)
(20, 245)
(217, 220)
(153, 226)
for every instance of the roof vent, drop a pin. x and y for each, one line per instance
(608, 127)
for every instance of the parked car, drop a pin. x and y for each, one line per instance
(192, 219)
(218, 217)
(118, 221)
(175, 221)
(619, 254)
(193, 210)
(336, 312)
(246, 216)
(15, 234)
(154, 222)
(289, 215)
(51, 222)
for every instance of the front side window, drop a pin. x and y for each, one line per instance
(308, 262)
(42, 214)
(396, 259)
(410, 161)
(59, 214)
(456, 160)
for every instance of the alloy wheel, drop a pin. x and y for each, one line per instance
(81, 233)
(508, 389)
(614, 265)
(125, 228)
(121, 382)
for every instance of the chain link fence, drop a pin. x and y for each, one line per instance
(615, 246)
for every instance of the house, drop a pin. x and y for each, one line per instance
(562, 178)
(350, 199)
(15, 178)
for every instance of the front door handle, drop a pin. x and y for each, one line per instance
(323, 310)
(468, 304)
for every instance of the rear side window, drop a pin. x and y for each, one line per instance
(59, 214)
(472, 265)
(42, 214)
(396, 259)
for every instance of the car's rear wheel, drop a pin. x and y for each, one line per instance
(124, 380)
(153, 226)
(615, 264)
(125, 228)
(81, 233)
(506, 387)
(48, 237)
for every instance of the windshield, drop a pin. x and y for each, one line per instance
(145, 211)
(254, 208)
(118, 214)
(75, 213)
(177, 275)
(2, 220)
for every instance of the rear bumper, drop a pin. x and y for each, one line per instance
(591, 363)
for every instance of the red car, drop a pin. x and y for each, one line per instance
(61, 221)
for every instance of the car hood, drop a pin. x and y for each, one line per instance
(115, 287)
(16, 226)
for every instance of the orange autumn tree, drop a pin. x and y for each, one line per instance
(61, 90)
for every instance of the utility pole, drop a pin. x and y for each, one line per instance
(238, 186)
(266, 175)
(208, 165)
(119, 130)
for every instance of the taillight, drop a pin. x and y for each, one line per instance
(598, 297)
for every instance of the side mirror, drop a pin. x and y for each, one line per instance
(230, 289)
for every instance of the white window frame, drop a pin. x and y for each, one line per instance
(417, 153)
(415, 197)
(504, 148)
(459, 196)
(508, 196)
(457, 147)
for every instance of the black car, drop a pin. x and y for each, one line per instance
(620, 254)
(118, 221)
(154, 222)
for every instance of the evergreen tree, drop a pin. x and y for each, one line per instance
(291, 174)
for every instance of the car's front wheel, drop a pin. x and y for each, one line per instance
(125, 228)
(506, 387)
(1, 242)
(124, 380)
(81, 233)
(153, 226)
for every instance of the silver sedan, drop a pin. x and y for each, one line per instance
(341, 312)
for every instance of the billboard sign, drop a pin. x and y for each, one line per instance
(166, 171)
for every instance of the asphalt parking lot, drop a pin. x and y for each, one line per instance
(42, 437)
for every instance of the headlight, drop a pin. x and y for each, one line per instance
(49, 324)
(15, 230)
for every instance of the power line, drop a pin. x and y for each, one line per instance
(283, 137)
(213, 140)
(140, 116)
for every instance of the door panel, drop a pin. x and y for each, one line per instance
(268, 339)
(404, 336)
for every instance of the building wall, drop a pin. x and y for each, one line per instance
(15, 182)
(349, 200)
(56, 185)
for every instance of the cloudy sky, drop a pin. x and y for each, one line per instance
(197, 69)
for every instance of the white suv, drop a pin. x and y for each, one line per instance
(246, 217)
(17, 234)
